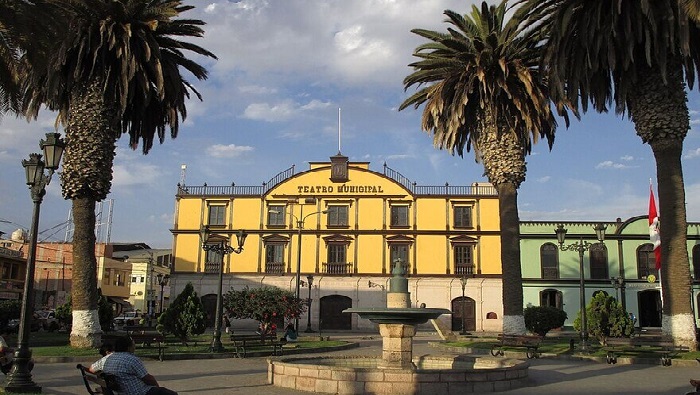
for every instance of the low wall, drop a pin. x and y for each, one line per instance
(435, 375)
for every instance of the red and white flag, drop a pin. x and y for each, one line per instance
(654, 236)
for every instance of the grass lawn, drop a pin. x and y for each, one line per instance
(560, 346)
(48, 344)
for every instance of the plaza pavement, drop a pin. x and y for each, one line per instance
(249, 376)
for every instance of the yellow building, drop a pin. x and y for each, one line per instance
(346, 225)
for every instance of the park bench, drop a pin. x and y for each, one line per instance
(243, 343)
(664, 347)
(106, 383)
(144, 337)
(529, 343)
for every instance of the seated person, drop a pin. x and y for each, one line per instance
(290, 335)
(105, 350)
(131, 374)
(6, 353)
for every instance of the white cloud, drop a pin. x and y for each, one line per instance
(627, 158)
(282, 111)
(543, 179)
(611, 165)
(227, 151)
(134, 173)
(692, 154)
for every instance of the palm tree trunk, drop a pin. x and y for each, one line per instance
(86, 331)
(678, 319)
(660, 114)
(86, 179)
(513, 321)
(504, 165)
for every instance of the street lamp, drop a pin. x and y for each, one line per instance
(463, 282)
(20, 378)
(162, 281)
(219, 244)
(581, 246)
(309, 281)
(300, 226)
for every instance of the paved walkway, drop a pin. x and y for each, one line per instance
(248, 376)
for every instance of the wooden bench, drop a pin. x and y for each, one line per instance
(144, 337)
(107, 383)
(529, 343)
(665, 347)
(243, 342)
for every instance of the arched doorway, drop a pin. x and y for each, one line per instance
(463, 313)
(331, 313)
(649, 308)
(209, 306)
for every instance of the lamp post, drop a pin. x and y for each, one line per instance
(20, 378)
(581, 246)
(619, 284)
(162, 281)
(463, 282)
(309, 281)
(219, 244)
(300, 226)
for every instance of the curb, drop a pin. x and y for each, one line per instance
(579, 357)
(173, 357)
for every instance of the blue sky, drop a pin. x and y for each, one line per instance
(272, 99)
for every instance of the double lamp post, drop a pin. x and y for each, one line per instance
(300, 226)
(581, 246)
(220, 245)
(20, 377)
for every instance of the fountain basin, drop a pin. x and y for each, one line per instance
(435, 375)
(396, 315)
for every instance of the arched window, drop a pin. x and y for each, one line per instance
(696, 262)
(646, 263)
(551, 298)
(549, 260)
(598, 255)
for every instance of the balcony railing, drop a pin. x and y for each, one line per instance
(337, 268)
(259, 190)
(550, 273)
(464, 270)
(274, 267)
(211, 267)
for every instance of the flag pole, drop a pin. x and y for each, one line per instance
(655, 237)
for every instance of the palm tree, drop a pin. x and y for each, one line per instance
(481, 89)
(115, 69)
(639, 55)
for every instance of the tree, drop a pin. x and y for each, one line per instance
(115, 69)
(64, 312)
(263, 304)
(482, 90)
(605, 318)
(16, 34)
(184, 317)
(542, 319)
(639, 55)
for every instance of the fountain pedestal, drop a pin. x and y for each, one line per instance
(397, 346)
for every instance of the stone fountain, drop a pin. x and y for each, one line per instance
(397, 372)
(397, 321)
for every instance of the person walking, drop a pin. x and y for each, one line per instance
(227, 324)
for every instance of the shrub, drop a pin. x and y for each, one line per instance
(606, 318)
(184, 317)
(264, 305)
(542, 319)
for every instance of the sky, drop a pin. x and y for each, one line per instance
(284, 69)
